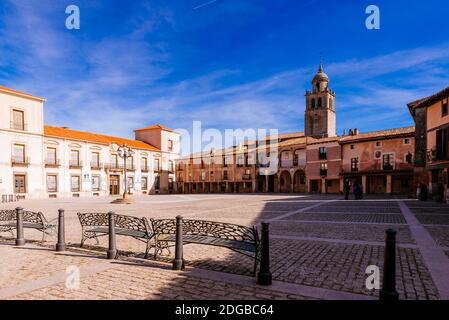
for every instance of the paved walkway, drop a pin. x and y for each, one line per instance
(320, 248)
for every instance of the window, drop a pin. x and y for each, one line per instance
(170, 145)
(355, 164)
(18, 120)
(51, 156)
(313, 104)
(225, 175)
(19, 153)
(240, 160)
(95, 160)
(74, 158)
(171, 167)
(144, 164)
(378, 144)
(75, 183)
(52, 183)
(442, 144)
(407, 141)
(203, 175)
(95, 183)
(144, 183)
(352, 147)
(130, 163)
(444, 108)
(322, 153)
(388, 161)
(20, 183)
(320, 102)
(157, 164)
(114, 160)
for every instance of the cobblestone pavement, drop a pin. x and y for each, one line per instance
(320, 247)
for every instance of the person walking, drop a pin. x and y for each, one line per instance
(346, 188)
(355, 189)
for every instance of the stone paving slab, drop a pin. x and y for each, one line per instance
(358, 209)
(440, 234)
(340, 231)
(351, 217)
(433, 218)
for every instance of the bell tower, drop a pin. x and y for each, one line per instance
(320, 117)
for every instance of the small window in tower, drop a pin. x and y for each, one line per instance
(313, 103)
(320, 102)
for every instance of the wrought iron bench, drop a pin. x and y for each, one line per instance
(237, 238)
(31, 220)
(94, 225)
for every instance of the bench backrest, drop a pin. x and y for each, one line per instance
(28, 216)
(7, 215)
(121, 221)
(204, 228)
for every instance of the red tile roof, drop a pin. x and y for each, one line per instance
(156, 126)
(62, 132)
(428, 101)
(380, 134)
(20, 93)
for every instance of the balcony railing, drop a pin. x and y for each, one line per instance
(18, 126)
(114, 166)
(387, 167)
(73, 164)
(144, 168)
(130, 167)
(52, 163)
(323, 172)
(20, 161)
(95, 165)
(246, 177)
(434, 155)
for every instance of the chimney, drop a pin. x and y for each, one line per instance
(344, 132)
(350, 132)
(356, 131)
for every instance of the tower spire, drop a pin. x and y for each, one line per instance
(320, 69)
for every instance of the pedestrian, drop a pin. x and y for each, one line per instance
(346, 188)
(355, 189)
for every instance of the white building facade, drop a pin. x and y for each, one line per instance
(39, 161)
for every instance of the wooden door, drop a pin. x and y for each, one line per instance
(114, 185)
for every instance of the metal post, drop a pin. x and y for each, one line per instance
(388, 291)
(60, 245)
(20, 240)
(178, 262)
(126, 180)
(264, 276)
(112, 252)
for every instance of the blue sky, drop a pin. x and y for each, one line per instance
(230, 63)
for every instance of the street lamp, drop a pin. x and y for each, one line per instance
(125, 152)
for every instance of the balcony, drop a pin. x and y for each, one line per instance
(323, 172)
(435, 155)
(387, 167)
(20, 161)
(130, 167)
(52, 163)
(246, 177)
(114, 166)
(322, 156)
(18, 126)
(225, 177)
(95, 165)
(144, 168)
(73, 164)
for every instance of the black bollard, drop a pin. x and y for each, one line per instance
(20, 240)
(388, 291)
(112, 252)
(264, 276)
(178, 262)
(60, 245)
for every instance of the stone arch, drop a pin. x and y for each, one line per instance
(299, 181)
(285, 182)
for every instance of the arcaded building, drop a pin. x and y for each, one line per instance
(41, 161)
(316, 160)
